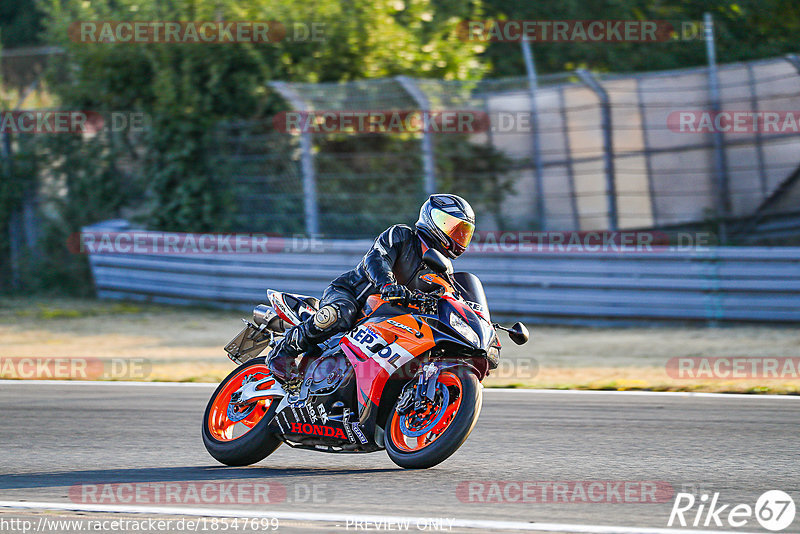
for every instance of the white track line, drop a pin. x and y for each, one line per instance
(499, 389)
(645, 393)
(683, 394)
(342, 518)
(108, 383)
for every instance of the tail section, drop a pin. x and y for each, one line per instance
(292, 308)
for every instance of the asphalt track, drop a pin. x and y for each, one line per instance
(58, 439)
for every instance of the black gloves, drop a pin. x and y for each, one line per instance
(395, 293)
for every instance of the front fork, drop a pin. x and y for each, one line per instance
(416, 393)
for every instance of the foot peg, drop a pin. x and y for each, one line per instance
(293, 385)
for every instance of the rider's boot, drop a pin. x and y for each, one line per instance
(282, 360)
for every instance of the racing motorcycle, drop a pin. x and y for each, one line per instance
(407, 378)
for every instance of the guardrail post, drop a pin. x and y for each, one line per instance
(608, 145)
(428, 157)
(720, 163)
(533, 86)
(573, 197)
(310, 206)
(654, 215)
(762, 170)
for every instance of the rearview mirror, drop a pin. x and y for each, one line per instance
(437, 262)
(519, 333)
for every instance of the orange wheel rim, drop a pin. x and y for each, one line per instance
(221, 427)
(413, 444)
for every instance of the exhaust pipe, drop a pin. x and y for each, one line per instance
(266, 315)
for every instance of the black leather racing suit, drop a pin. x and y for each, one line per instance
(395, 257)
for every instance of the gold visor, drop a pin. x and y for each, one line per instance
(459, 230)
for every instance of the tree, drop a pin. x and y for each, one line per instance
(745, 29)
(188, 88)
(20, 23)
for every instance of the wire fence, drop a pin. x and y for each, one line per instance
(637, 166)
(579, 151)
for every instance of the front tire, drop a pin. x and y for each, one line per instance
(443, 431)
(243, 440)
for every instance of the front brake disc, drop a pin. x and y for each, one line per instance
(236, 415)
(427, 428)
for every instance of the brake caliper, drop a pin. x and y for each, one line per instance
(422, 402)
(406, 402)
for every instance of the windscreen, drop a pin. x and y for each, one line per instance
(471, 290)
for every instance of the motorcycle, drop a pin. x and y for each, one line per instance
(407, 377)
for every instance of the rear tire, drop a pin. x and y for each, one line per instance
(453, 436)
(252, 446)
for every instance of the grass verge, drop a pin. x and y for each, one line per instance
(185, 345)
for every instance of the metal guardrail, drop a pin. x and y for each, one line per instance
(715, 284)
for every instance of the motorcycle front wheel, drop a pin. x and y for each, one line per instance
(237, 435)
(428, 436)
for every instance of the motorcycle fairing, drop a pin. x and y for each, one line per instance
(471, 290)
(371, 347)
(477, 322)
(381, 345)
(291, 307)
(323, 420)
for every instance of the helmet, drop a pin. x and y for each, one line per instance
(446, 223)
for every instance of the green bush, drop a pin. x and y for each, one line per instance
(174, 176)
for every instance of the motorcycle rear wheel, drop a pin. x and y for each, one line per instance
(447, 427)
(243, 440)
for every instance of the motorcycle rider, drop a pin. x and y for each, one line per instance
(391, 267)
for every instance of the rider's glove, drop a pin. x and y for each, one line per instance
(395, 293)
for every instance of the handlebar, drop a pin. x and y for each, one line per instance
(427, 303)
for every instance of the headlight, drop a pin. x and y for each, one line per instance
(461, 326)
